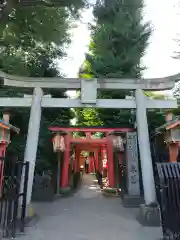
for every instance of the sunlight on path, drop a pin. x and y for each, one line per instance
(88, 216)
(89, 188)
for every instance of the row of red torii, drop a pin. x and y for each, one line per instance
(63, 140)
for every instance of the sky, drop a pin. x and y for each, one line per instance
(164, 17)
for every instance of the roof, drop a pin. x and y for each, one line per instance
(169, 125)
(8, 126)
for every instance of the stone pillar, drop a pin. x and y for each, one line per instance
(133, 197)
(32, 138)
(144, 148)
(149, 213)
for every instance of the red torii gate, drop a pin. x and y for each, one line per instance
(88, 144)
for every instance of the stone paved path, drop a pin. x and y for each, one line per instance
(88, 216)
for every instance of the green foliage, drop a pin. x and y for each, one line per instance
(156, 117)
(31, 40)
(119, 40)
(30, 35)
(87, 117)
(176, 94)
(157, 96)
(8, 8)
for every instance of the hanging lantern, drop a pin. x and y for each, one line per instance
(58, 143)
(117, 141)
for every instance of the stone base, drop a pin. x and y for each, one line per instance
(30, 219)
(149, 216)
(130, 201)
(43, 195)
(30, 212)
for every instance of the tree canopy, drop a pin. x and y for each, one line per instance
(29, 33)
(31, 39)
(119, 39)
(9, 8)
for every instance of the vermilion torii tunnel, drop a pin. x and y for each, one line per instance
(114, 147)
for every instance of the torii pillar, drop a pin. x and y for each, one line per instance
(91, 163)
(149, 214)
(32, 139)
(96, 159)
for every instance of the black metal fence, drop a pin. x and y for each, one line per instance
(13, 199)
(168, 193)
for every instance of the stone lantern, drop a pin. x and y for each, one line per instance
(171, 132)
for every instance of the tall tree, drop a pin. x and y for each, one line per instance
(29, 32)
(119, 40)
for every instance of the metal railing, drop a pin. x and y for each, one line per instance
(168, 194)
(13, 200)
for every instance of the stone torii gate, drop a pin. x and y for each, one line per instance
(89, 99)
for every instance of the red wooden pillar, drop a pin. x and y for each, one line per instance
(110, 162)
(91, 164)
(96, 159)
(104, 154)
(78, 155)
(74, 162)
(66, 161)
(100, 159)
